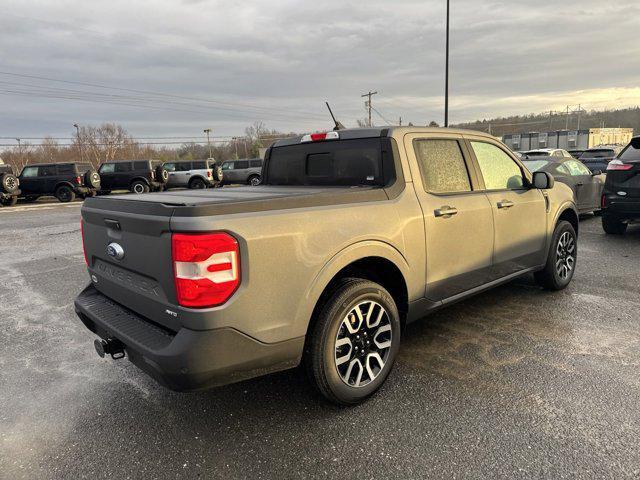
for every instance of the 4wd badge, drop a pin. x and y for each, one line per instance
(115, 250)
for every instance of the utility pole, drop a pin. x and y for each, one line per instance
(368, 103)
(208, 131)
(400, 121)
(78, 138)
(446, 75)
(567, 125)
(235, 145)
(20, 153)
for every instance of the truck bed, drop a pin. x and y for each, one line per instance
(224, 201)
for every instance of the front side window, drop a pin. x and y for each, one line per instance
(499, 170)
(29, 172)
(442, 166)
(227, 166)
(577, 168)
(107, 168)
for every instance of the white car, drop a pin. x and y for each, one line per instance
(547, 152)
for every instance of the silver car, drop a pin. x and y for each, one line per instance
(194, 173)
(246, 171)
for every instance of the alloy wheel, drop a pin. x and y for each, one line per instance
(565, 255)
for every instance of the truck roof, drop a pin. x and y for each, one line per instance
(382, 131)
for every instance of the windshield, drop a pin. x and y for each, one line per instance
(328, 163)
(602, 153)
(535, 165)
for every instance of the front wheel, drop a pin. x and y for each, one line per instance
(354, 342)
(561, 259)
(139, 187)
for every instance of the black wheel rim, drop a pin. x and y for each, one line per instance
(65, 195)
(363, 344)
(565, 255)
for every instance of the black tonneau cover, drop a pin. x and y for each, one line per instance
(229, 200)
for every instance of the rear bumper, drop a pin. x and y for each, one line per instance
(84, 190)
(186, 360)
(623, 209)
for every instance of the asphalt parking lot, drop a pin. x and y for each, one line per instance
(514, 383)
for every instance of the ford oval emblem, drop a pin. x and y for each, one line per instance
(115, 250)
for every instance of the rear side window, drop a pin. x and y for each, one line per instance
(123, 167)
(50, 170)
(141, 165)
(442, 166)
(241, 164)
(183, 166)
(602, 153)
(64, 170)
(83, 168)
(331, 163)
(199, 165)
(631, 151)
(169, 167)
(499, 170)
(255, 163)
(107, 168)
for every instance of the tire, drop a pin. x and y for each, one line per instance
(197, 184)
(65, 194)
(335, 370)
(161, 174)
(561, 259)
(139, 187)
(612, 226)
(92, 179)
(254, 180)
(9, 183)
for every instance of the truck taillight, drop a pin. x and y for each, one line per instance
(209, 173)
(79, 180)
(84, 249)
(316, 137)
(206, 268)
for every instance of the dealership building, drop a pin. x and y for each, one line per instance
(568, 139)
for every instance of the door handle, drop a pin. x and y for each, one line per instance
(445, 211)
(579, 184)
(505, 204)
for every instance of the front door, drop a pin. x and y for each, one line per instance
(519, 212)
(457, 217)
(586, 189)
(29, 181)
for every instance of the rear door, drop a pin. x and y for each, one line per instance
(122, 175)
(519, 212)
(457, 216)
(107, 172)
(49, 177)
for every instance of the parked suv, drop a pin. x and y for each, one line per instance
(194, 173)
(64, 181)
(248, 171)
(9, 186)
(621, 196)
(598, 158)
(352, 234)
(138, 176)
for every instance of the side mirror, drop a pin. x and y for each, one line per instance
(543, 180)
(596, 172)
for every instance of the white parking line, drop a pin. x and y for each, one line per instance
(44, 206)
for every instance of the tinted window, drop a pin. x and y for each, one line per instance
(48, 171)
(169, 167)
(123, 167)
(107, 168)
(183, 166)
(346, 162)
(65, 169)
(442, 166)
(602, 153)
(83, 168)
(632, 151)
(29, 172)
(241, 164)
(227, 166)
(141, 165)
(199, 165)
(537, 154)
(255, 163)
(498, 169)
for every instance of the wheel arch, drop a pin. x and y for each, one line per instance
(197, 177)
(570, 214)
(136, 179)
(63, 184)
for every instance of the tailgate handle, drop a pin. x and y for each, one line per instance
(114, 224)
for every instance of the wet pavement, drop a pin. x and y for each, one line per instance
(515, 382)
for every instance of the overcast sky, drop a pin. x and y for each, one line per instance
(174, 68)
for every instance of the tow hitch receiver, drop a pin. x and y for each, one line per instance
(110, 346)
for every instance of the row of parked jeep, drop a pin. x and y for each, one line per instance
(68, 181)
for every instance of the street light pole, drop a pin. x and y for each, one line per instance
(208, 131)
(78, 137)
(446, 75)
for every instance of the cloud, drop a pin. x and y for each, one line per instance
(284, 58)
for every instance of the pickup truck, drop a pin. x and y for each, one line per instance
(351, 235)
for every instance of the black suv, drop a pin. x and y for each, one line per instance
(9, 186)
(138, 176)
(65, 181)
(621, 195)
(599, 157)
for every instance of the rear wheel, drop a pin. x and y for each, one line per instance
(561, 260)
(254, 180)
(197, 183)
(354, 342)
(64, 194)
(139, 187)
(612, 225)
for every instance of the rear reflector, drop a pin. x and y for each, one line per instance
(84, 249)
(316, 137)
(206, 268)
(619, 165)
